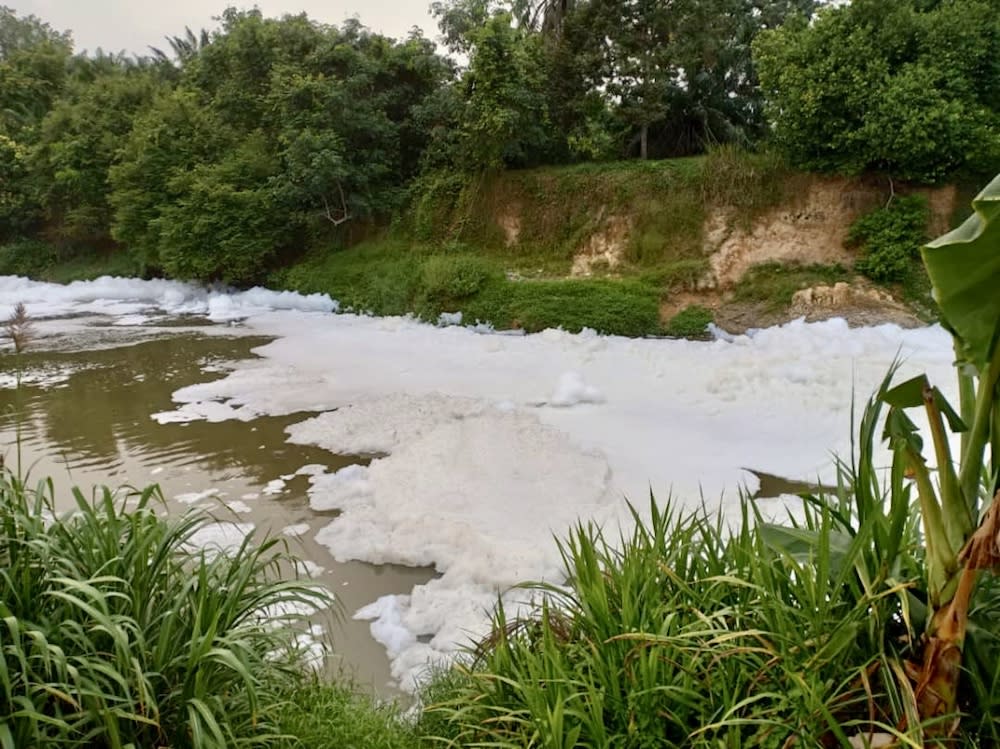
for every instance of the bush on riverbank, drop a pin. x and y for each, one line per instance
(682, 635)
(679, 635)
(119, 628)
(385, 277)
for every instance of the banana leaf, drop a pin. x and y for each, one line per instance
(964, 268)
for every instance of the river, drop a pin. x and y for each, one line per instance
(421, 470)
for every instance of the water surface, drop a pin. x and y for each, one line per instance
(84, 418)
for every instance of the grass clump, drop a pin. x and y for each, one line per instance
(451, 278)
(321, 715)
(690, 322)
(748, 182)
(117, 631)
(625, 308)
(774, 284)
(890, 238)
(679, 635)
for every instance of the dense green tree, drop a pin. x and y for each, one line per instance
(78, 142)
(173, 135)
(280, 130)
(909, 87)
(34, 67)
(680, 75)
(25, 33)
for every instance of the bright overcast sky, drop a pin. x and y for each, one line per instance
(134, 25)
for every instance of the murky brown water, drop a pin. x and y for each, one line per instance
(93, 427)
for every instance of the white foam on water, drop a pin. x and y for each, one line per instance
(295, 531)
(131, 300)
(311, 568)
(337, 491)
(238, 506)
(572, 390)
(470, 474)
(475, 479)
(273, 487)
(190, 498)
(219, 538)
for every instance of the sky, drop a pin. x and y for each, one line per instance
(135, 25)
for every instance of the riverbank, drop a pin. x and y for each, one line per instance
(632, 248)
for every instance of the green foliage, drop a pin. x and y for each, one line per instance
(29, 258)
(117, 631)
(890, 238)
(679, 274)
(381, 276)
(19, 34)
(451, 278)
(316, 132)
(906, 87)
(389, 277)
(690, 322)
(750, 182)
(685, 633)
(78, 142)
(505, 119)
(321, 715)
(18, 211)
(615, 307)
(774, 284)
(963, 266)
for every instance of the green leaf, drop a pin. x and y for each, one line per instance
(964, 268)
(900, 430)
(909, 394)
(955, 422)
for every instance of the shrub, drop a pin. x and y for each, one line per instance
(612, 307)
(681, 633)
(115, 631)
(774, 284)
(27, 257)
(890, 238)
(453, 277)
(690, 322)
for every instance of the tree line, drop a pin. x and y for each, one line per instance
(227, 151)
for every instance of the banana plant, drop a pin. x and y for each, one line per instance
(959, 506)
(960, 510)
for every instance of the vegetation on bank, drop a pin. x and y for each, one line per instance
(868, 616)
(120, 629)
(245, 150)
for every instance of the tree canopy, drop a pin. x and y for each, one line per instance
(222, 151)
(909, 87)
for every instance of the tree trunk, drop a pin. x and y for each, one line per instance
(644, 141)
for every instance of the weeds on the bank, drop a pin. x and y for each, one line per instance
(121, 628)
(117, 630)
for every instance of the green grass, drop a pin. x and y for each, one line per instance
(690, 322)
(381, 276)
(678, 635)
(321, 715)
(389, 277)
(615, 307)
(45, 262)
(774, 284)
(115, 632)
